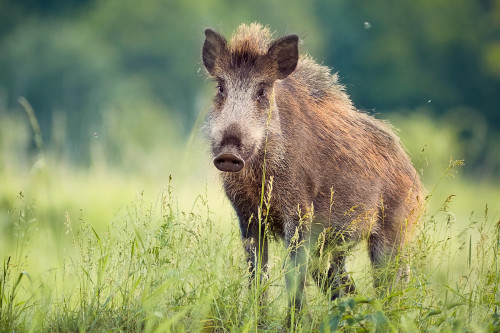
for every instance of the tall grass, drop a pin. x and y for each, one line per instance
(157, 268)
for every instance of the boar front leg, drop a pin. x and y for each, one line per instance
(255, 244)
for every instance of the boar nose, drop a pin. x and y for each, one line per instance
(229, 162)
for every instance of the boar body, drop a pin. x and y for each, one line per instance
(338, 175)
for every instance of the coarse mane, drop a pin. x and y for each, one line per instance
(253, 40)
(319, 81)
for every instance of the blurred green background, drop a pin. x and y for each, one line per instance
(84, 63)
(120, 93)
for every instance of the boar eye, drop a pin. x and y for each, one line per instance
(220, 89)
(261, 93)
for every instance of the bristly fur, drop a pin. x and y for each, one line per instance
(252, 39)
(326, 157)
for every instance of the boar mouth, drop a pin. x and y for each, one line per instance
(229, 162)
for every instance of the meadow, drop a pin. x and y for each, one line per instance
(143, 239)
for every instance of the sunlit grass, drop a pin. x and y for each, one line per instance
(157, 267)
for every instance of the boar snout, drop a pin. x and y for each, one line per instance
(228, 153)
(229, 162)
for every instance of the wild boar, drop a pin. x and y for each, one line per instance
(282, 117)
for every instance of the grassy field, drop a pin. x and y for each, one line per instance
(154, 246)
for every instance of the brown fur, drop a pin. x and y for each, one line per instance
(317, 142)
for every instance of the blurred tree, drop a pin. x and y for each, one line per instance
(412, 52)
(14, 13)
(59, 67)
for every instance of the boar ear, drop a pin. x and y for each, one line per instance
(213, 47)
(285, 52)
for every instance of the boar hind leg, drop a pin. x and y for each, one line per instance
(334, 280)
(390, 266)
(295, 269)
